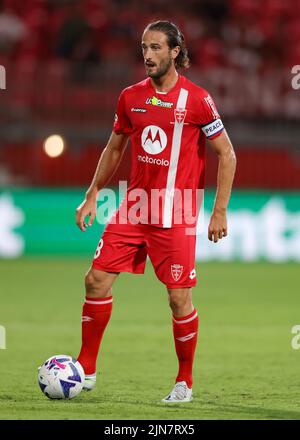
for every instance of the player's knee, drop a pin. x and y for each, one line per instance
(97, 284)
(179, 298)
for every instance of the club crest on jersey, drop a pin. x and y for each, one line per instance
(180, 115)
(176, 271)
(154, 139)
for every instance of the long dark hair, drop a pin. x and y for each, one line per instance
(175, 38)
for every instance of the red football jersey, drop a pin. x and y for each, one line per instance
(167, 133)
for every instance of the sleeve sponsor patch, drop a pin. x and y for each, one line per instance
(210, 103)
(210, 130)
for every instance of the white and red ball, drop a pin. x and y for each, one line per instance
(61, 377)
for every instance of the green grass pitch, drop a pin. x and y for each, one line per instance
(245, 367)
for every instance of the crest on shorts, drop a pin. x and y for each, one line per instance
(176, 271)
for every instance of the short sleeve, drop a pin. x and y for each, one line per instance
(210, 121)
(122, 123)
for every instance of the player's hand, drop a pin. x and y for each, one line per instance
(86, 208)
(217, 228)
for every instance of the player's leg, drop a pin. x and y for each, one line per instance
(121, 249)
(172, 254)
(185, 332)
(96, 313)
(180, 301)
(98, 283)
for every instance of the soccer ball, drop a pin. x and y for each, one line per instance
(61, 377)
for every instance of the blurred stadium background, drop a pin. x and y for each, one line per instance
(66, 62)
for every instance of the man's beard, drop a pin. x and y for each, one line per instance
(162, 69)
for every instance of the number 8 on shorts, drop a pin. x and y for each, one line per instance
(98, 250)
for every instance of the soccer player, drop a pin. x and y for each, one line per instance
(167, 118)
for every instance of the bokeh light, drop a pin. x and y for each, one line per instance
(54, 145)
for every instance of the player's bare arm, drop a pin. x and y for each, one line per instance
(107, 165)
(217, 228)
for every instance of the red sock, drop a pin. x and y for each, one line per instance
(95, 316)
(185, 331)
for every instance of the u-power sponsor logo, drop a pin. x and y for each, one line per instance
(159, 102)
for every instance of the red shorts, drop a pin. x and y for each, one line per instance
(124, 248)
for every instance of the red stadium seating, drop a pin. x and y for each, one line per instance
(269, 168)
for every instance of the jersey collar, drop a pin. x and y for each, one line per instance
(173, 89)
